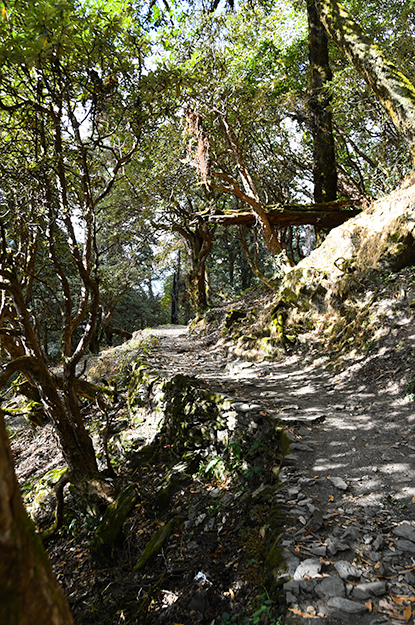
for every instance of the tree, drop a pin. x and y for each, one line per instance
(228, 269)
(235, 129)
(324, 158)
(391, 87)
(125, 244)
(246, 191)
(69, 125)
(29, 591)
(161, 183)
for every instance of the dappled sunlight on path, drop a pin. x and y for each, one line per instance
(351, 471)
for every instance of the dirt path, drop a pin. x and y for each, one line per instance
(348, 484)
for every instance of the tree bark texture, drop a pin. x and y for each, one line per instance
(29, 591)
(249, 194)
(174, 318)
(198, 246)
(390, 86)
(324, 158)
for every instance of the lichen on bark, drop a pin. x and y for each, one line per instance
(391, 87)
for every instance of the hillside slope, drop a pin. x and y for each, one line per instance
(351, 301)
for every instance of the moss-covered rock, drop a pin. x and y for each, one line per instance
(41, 495)
(109, 530)
(179, 473)
(233, 316)
(326, 291)
(200, 431)
(154, 545)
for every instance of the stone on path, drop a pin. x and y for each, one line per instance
(308, 568)
(291, 561)
(345, 605)
(334, 545)
(364, 591)
(405, 545)
(300, 419)
(351, 535)
(378, 543)
(339, 483)
(347, 570)
(405, 530)
(301, 447)
(330, 587)
(316, 520)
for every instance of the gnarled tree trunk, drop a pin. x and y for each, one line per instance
(29, 591)
(174, 317)
(198, 244)
(62, 405)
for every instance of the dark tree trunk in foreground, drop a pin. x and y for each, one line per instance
(390, 86)
(324, 159)
(175, 293)
(29, 591)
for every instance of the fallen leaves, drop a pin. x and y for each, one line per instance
(392, 609)
(407, 613)
(369, 605)
(305, 614)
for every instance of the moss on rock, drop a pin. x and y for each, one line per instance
(109, 530)
(154, 545)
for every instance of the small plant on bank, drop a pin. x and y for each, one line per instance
(410, 390)
(215, 469)
(263, 614)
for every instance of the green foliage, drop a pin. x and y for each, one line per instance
(215, 468)
(33, 33)
(78, 522)
(264, 613)
(410, 390)
(68, 92)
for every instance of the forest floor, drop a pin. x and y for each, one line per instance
(347, 494)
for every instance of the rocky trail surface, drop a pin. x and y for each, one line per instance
(348, 484)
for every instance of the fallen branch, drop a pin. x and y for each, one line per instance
(324, 215)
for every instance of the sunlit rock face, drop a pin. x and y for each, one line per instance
(382, 237)
(338, 290)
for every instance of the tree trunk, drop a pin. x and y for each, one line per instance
(64, 412)
(196, 282)
(198, 245)
(29, 591)
(253, 261)
(250, 193)
(246, 274)
(390, 86)
(324, 158)
(76, 444)
(175, 293)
